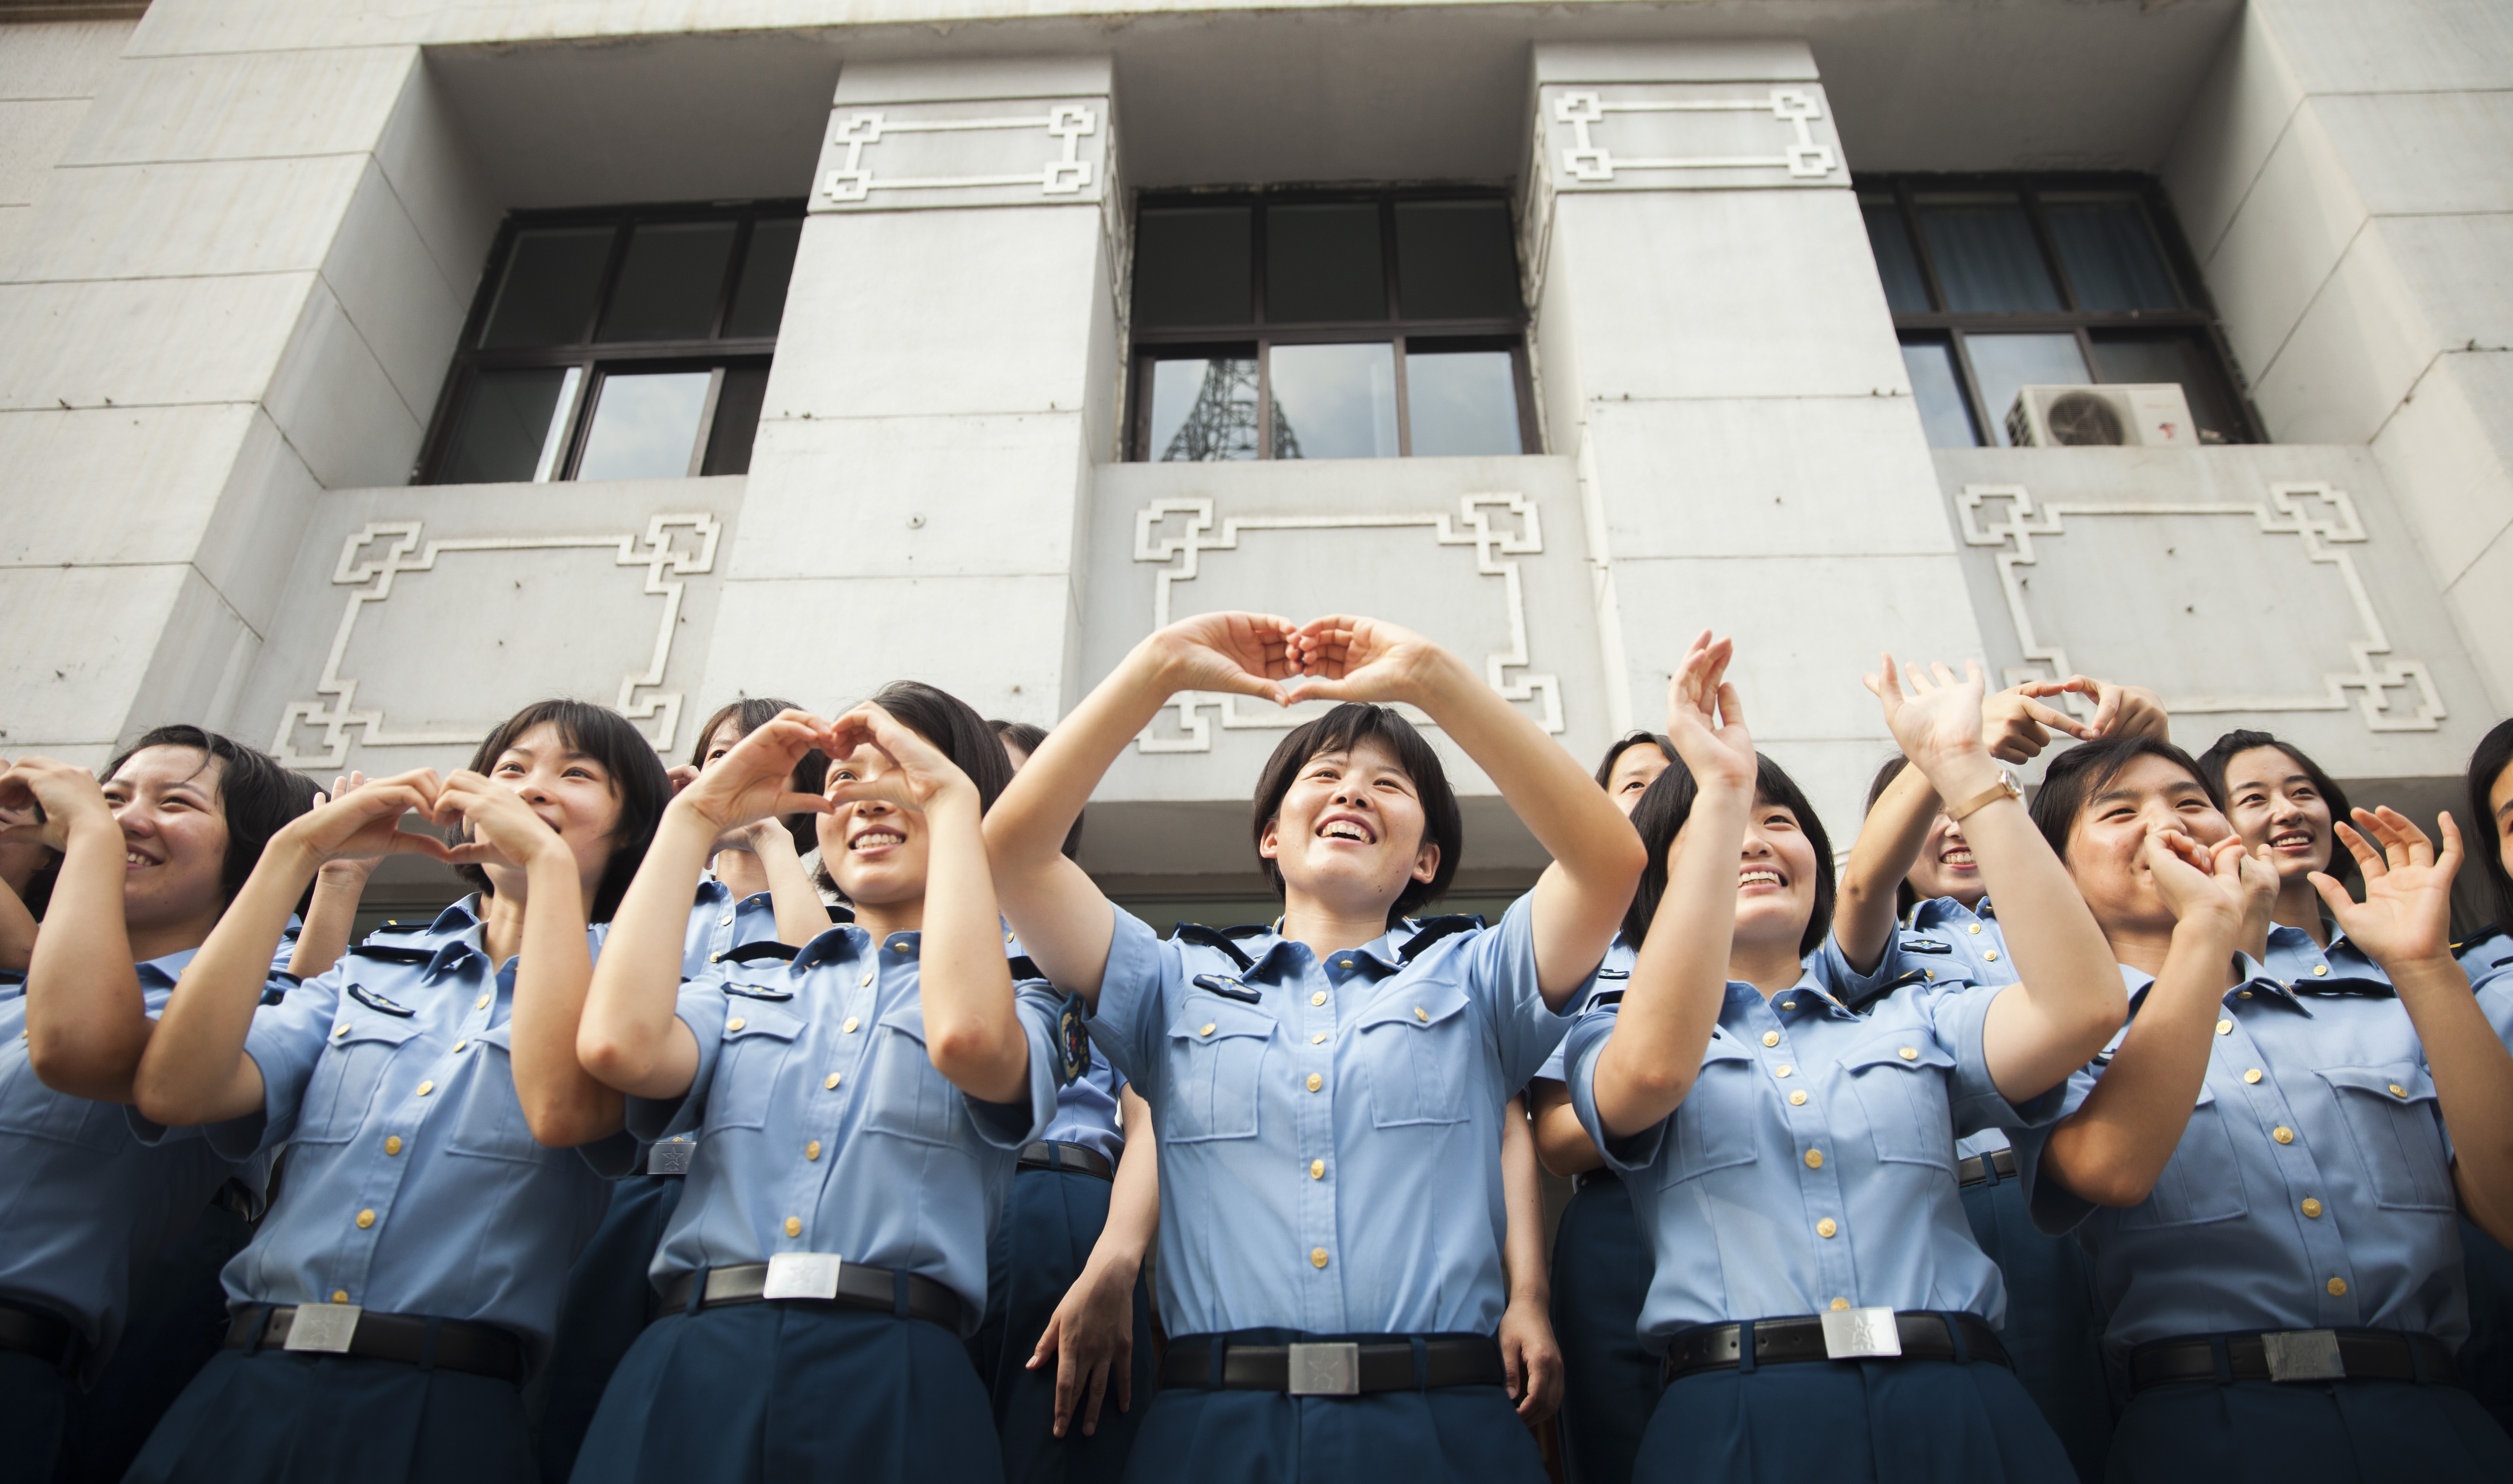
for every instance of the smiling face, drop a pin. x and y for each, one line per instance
(2104, 853)
(1776, 880)
(1945, 866)
(726, 737)
(2499, 814)
(1350, 832)
(874, 851)
(173, 835)
(1635, 768)
(570, 792)
(2271, 801)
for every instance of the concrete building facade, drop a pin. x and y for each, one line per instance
(258, 261)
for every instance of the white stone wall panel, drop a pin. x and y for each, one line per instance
(186, 221)
(391, 287)
(146, 341)
(332, 399)
(2292, 228)
(250, 106)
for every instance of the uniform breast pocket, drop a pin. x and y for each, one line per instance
(27, 1107)
(757, 1039)
(1216, 1056)
(2391, 1115)
(1900, 1083)
(1417, 1047)
(347, 1076)
(902, 1092)
(2202, 1181)
(489, 1122)
(1714, 1126)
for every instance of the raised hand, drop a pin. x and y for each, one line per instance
(1706, 720)
(754, 780)
(1343, 657)
(2200, 880)
(2120, 711)
(1243, 653)
(1941, 720)
(43, 798)
(2407, 911)
(2015, 725)
(503, 829)
(361, 821)
(877, 758)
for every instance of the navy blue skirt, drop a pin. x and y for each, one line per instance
(1601, 1274)
(2346, 1433)
(1051, 1221)
(35, 1400)
(792, 1392)
(609, 1299)
(275, 1417)
(2055, 1321)
(1875, 1422)
(2487, 1360)
(178, 1321)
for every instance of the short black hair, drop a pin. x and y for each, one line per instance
(2487, 764)
(1905, 895)
(956, 729)
(2222, 752)
(2077, 775)
(810, 776)
(1625, 743)
(1028, 735)
(1341, 730)
(1660, 815)
(637, 780)
(257, 796)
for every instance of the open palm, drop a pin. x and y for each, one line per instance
(1704, 718)
(754, 779)
(2407, 911)
(364, 822)
(1942, 717)
(881, 759)
(1344, 657)
(1241, 653)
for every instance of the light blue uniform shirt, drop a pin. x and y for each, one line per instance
(1612, 976)
(1280, 1086)
(1086, 1111)
(719, 924)
(1945, 938)
(1746, 1222)
(823, 1126)
(85, 1203)
(2485, 954)
(2225, 1241)
(414, 1185)
(2297, 962)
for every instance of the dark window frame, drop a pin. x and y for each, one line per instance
(2195, 320)
(596, 359)
(1257, 336)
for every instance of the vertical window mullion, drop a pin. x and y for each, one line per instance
(1908, 202)
(579, 418)
(1983, 428)
(1264, 397)
(622, 230)
(2049, 247)
(707, 423)
(1404, 401)
(1522, 367)
(734, 263)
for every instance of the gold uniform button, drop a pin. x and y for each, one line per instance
(830, 1082)
(1343, 963)
(1839, 1304)
(392, 1144)
(366, 1219)
(1909, 1053)
(2251, 1075)
(1825, 1228)
(335, 1031)
(1788, 1004)
(2338, 1288)
(1974, 928)
(865, 983)
(2312, 1208)
(726, 920)
(2398, 1091)
(340, 1296)
(1317, 1169)
(848, 1026)
(2320, 969)
(1783, 1072)
(1815, 1162)
(2224, 1027)
(1318, 998)
(1008, 937)
(1797, 1099)
(715, 957)
(460, 1045)
(2281, 1134)
(1318, 1040)
(1317, 1257)
(1991, 956)
(2242, 995)
(736, 1024)
(425, 1088)
(793, 1225)
(1422, 1015)
(1206, 1029)
(480, 1003)
(1316, 1082)
(811, 1150)
(1770, 1037)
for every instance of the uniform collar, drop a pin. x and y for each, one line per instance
(1936, 909)
(2258, 983)
(1807, 996)
(1380, 953)
(167, 969)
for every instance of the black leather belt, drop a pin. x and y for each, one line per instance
(30, 1332)
(1335, 1367)
(860, 1285)
(1061, 1156)
(1787, 1341)
(2304, 1354)
(480, 1350)
(1588, 1177)
(1976, 1169)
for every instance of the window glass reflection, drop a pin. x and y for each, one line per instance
(767, 267)
(1322, 263)
(669, 285)
(1335, 400)
(645, 426)
(1985, 253)
(1191, 266)
(2110, 255)
(1204, 412)
(1456, 261)
(1906, 289)
(1462, 402)
(546, 297)
(512, 421)
(1943, 412)
(2006, 363)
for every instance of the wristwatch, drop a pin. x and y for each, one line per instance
(2004, 788)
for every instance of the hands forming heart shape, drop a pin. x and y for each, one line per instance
(1341, 657)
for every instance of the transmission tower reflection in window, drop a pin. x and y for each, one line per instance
(1206, 410)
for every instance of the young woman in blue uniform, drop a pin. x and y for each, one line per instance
(2487, 1360)
(446, 1157)
(2260, 1170)
(1911, 856)
(2286, 808)
(1822, 1306)
(1601, 1266)
(1066, 1347)
(148, 863)
(1329, 1093)
(754, 890)
(859, 1111)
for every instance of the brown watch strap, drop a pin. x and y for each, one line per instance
(2004, 788)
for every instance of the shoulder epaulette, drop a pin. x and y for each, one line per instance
(2490, 930)
(397, 925)
(840, 912)
(765, 950)
(1603, 998)
(1859, 1005)
(1436, 929)
(394, 953)
(1211, 937)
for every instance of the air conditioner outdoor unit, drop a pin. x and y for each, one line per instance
(2116, 417)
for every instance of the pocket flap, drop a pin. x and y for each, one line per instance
(1723, 1047)
(1903, 1048)
(908, 1020)
(747, 1019)
(2394, 1082)
(1209, 1018)
(1419, 1005)
(359, 1026)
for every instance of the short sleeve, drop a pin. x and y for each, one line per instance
(1959, 1015)
(1831, 966)
(1010, 1126)
(2053, 1207)
(701, 1008)
(1128, 1016)
(285, 1042)
(1580, 1053)
(1499, 964)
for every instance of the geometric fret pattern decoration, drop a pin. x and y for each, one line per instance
(2321, 518)
(1471, 525)
(1067, 174)
(1584, 160)
(672, 547)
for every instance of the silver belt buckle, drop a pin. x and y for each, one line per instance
(326, 1327)
(802, 1276)
(1326, 1370)
(2303, 1354)
(671, 1156)
(1857, 1334)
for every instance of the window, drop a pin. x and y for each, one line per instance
(2003, 282)
(617, 344)
(1327, 327)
